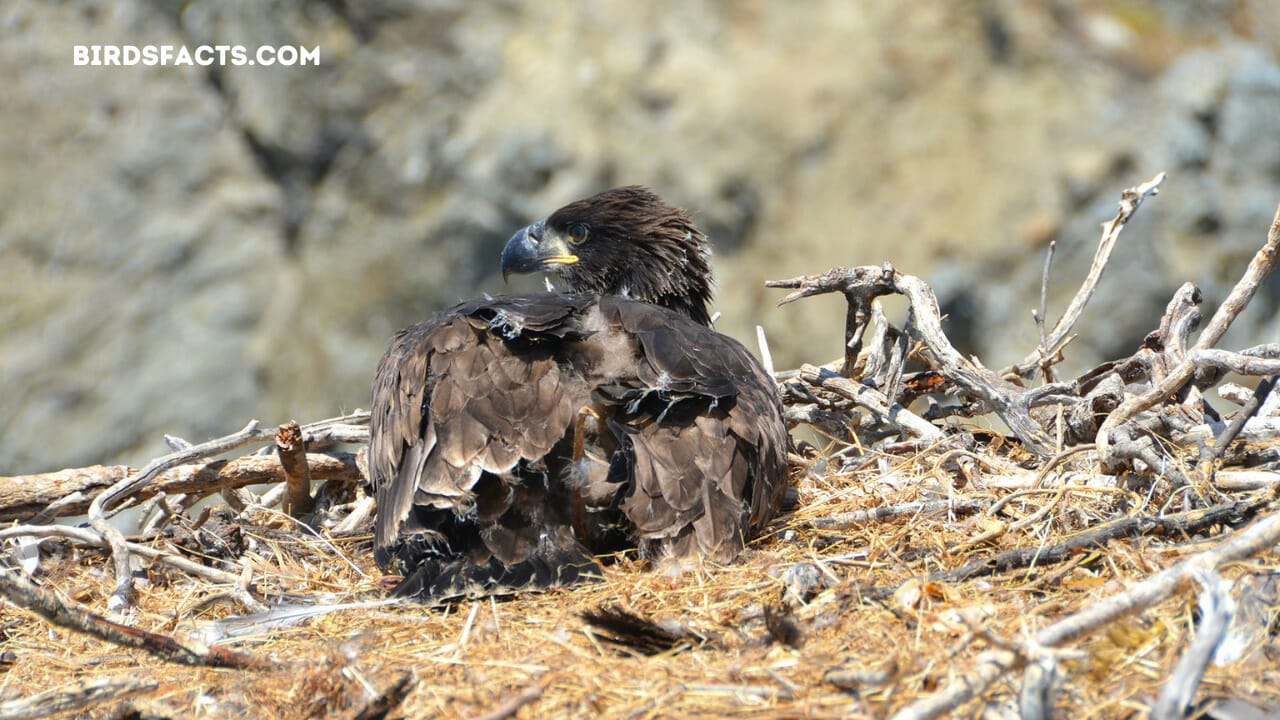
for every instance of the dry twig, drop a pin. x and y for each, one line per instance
(86, 536)
(23, 593)
(120, 598)
(78, 696)
(992, 665)
(512, 705)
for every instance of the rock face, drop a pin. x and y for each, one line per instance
(1210, 121)
(183, 248)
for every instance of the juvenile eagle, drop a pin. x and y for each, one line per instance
(515, 438)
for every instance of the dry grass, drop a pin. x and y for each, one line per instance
(473, 657)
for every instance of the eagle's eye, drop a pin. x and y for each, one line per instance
(577, 233)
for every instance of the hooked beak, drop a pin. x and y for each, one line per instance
(535, 249)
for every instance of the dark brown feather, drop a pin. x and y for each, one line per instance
(473, 423)
(632, 631)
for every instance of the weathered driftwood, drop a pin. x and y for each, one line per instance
(1095, 407)
(27, 497)
(1262, 264)
(861, 284)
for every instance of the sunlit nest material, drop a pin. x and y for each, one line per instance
(963, 540)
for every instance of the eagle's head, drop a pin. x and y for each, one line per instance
(625, 241)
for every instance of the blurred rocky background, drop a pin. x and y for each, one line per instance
(182, 249)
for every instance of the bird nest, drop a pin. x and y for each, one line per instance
(1112, 554)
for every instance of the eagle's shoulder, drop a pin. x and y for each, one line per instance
(681, 356)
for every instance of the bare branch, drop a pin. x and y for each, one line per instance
(1234, 362)
(1130, 200)
(1216, 608)
(872, 400)
(113, 494)
(1242, 416)
(862, 284)
(1262, 264)
(1039, 315)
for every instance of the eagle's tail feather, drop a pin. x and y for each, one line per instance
(551, 564)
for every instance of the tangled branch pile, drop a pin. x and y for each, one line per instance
(932, 564)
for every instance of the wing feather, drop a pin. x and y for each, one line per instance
(455, 398)
(708, 439)
(470, 407)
